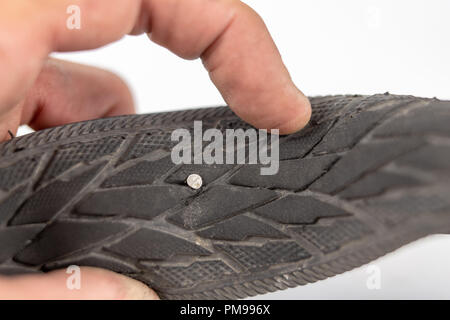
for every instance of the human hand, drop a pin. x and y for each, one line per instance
(229, 37)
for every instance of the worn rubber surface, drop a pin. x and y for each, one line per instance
(368, 175)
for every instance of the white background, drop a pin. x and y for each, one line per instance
(330, 47)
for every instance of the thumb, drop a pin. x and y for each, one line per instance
(83, 283)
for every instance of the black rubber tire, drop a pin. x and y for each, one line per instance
(368, 175)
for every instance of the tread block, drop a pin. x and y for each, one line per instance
(15, 238)
(66, 237)
(69, 155)
(240, 228)
(145, 172)
(362, 159)
(145, 202)
(298, 145)
(393, 211)
(97, 261)
(332, 237)
(15, 270)
(292, 174)
(49, 200)
(148, 142)
(294, 209)
(215, 205)
(349, 130)
(254, 257)
(426, 120)
(12, 175)
(9, 205)
(430, 158)
(328, 108)
(209, 173)
(377, 183)
(148, 244)
(198, 271)
(234, 124)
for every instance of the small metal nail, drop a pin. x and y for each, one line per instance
(194, 181)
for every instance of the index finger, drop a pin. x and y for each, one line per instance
(232, 40)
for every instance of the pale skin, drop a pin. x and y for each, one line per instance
(230, 38)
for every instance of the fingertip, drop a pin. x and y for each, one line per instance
(136, 290)
(74, 283)
(286, 110)
(125, 104)
(300, 117)
(110, 285)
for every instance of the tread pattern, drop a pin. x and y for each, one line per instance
(253, 257)
(231, 230)
(369, 174)
(14, 174)
(48, 201)
(154, 245)
(72, 154)
(286, 211)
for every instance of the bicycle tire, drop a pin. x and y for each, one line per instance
(366, 176)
